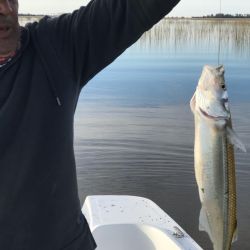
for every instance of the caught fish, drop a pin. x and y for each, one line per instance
(214, 158)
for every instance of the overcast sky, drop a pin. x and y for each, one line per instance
(184, 8)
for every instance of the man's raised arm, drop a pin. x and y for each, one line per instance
(92, 37)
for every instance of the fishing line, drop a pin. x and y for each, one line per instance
(219, 36)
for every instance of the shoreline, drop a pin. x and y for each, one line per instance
(209, 18)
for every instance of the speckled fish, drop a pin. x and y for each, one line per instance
(214, 158)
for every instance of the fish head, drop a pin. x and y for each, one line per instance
(211, 97)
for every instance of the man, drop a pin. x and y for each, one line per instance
(43, 68)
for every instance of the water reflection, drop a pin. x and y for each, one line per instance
(149, 152)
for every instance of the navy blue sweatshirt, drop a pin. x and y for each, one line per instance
(39, 89)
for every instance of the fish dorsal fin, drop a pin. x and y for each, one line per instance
(235, 140)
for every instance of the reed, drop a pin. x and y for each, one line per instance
(180, 33)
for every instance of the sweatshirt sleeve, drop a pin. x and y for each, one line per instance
(91, 37)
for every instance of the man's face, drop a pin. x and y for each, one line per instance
(9, 26)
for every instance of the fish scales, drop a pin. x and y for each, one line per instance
(230, 224)
(232, 209)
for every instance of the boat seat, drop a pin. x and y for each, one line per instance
(133, 237)
(120, 222)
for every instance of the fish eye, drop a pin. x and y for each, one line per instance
(223, 86)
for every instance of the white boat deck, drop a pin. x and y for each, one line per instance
(133, 223)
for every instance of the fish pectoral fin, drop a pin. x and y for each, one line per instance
(193, 103)
(235, 140)
(203, 222)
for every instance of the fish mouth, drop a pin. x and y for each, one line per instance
(212, 117)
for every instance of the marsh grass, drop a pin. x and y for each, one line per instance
(29, 18)
(179, 33)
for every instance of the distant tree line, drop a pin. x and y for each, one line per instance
(26, 15)
(220, 15)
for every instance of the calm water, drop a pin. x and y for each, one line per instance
(134, 129)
